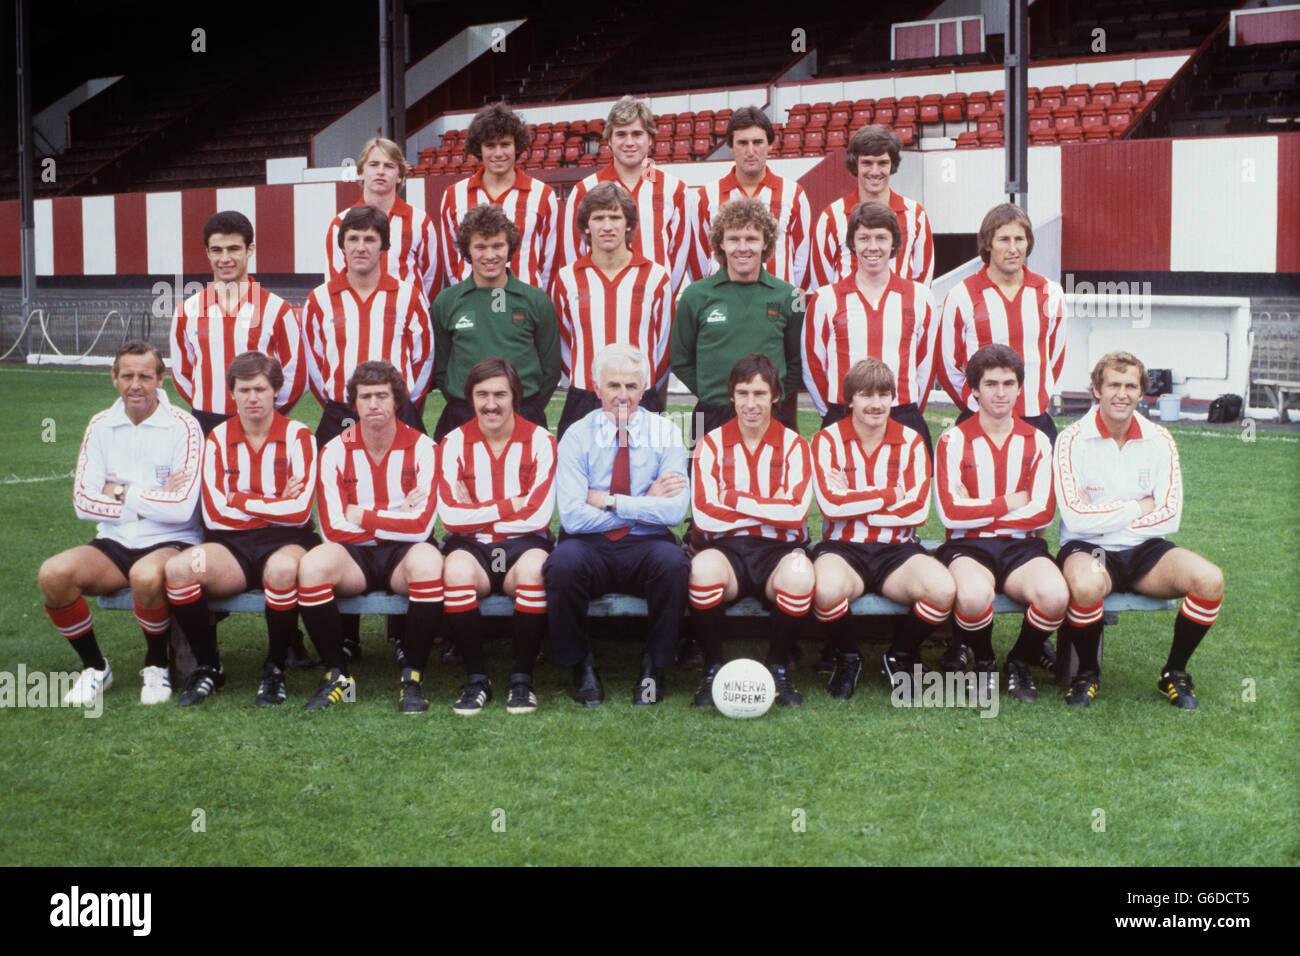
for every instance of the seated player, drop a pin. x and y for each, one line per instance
(752, 488)
(377, 502)
(873, 487)
(620, 487)
(1120, 491)
(611, 294)
(496, 495)
(259, 479)
(138, 477)
(993, 492)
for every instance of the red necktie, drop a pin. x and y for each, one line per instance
(620, 483)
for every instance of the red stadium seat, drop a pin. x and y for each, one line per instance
(976, 104)
(1099, 135)
(606, 154)
(596, 127)
(798, 117)
(587, 159)
(664, 129)
(578, 128)
(990, 137)
(1069, 137)
(663, 150)
(1093, 118)
(703, 124)
(861, 116)
(1078, 95)
(554, 155)
(572, 152)
(1151, 89)
(1043, 137)
(1052, 97)
(791, 142)
(1040, 120)
(953, 109)
(1103, 94)
(886, 109)
(907, 134)
(701, 146)
(1118, 117)
(681, 149)
(909, 108)
(1129, 94)
(559, 137)
(990, 123)
(836, 138)
(721, 120)
(819, 115)
(931, 105)
(814, 142)
(839, 118)
(684, 129)
(1066, 118)
(968, 140)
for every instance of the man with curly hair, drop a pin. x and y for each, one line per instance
(498, 137)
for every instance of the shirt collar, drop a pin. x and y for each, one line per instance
(607, 431)
(765, 278)
(984, 281)
(279, 428)
(406, 437)
(730, 183)
(608, 174)
(523, 182)
(774, 435)
(161, 417)
(1136, 425)
(893, 431)
(340, 283)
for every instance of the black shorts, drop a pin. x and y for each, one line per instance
(488, 555)
(999, 555)
(125, 557)
(378, 561)
(753, 558)
(1126, 566)
(872, 561)
(253, 547)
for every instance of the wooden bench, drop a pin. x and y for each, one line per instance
(1278, 389)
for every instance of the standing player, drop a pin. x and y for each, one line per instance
(363, 314)
(620, 488)
(872, 158)
(1121, 491)
(259, 479)
(496, 495)
(493, 314)
(873, 487)
(377, 504)
(752, 488)
(750, 135)
(1005, 303)
(993, 491)
(611, 295)
(414, 255)
(234, 314)
(874, 313)
(498, 137)
(138, 477)
(738, 310)
(666, 207)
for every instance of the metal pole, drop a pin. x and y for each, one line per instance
(26, 172)
(1015, 120)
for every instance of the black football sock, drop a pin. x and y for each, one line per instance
(1195, 618)
(529, 630)
(421, 623)
(190, 611)
(465, 627)
(837, 627)
(1036, 628)
(281, 631)
(324, 624)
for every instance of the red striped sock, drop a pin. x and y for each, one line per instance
(184, 593)
(796, 605)
(1081, 616)
(1038, 619)
(930, 613)
(832, 613)
(1200, 610)
(458, 600)
(530, 599)
(71, 621)
(315, 596)
(427, 592)
(285, 600)
(705, 596)
(153, 620)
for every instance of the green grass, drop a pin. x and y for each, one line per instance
(619, 785)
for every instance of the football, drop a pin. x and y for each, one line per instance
(743, 688)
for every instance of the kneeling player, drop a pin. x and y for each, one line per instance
(376, 514)
(752, 489)
(138, 477)
(993, 492)
(259, 478)
(496, 495)
(1120, 490)
(873, 486)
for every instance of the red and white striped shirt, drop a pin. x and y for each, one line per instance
(243, 488)
(142, 457)
(530, 204)
(341, 331)
(348, 476)
(973, 478)
(1099, 484)
(525, 467)
(841, 327)
(976, 313)
(765, 493)
(666, 216)
(634, 308)
(832, 260)
(412, 256)
(204, 340)
(786, 200)
(889, 488)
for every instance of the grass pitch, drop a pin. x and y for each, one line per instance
(833, 783)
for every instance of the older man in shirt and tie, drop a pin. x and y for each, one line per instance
(620, 486)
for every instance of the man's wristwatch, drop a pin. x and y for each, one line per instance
(609, 504)
(119, 492)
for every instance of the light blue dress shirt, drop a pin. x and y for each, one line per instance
(586, 461)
